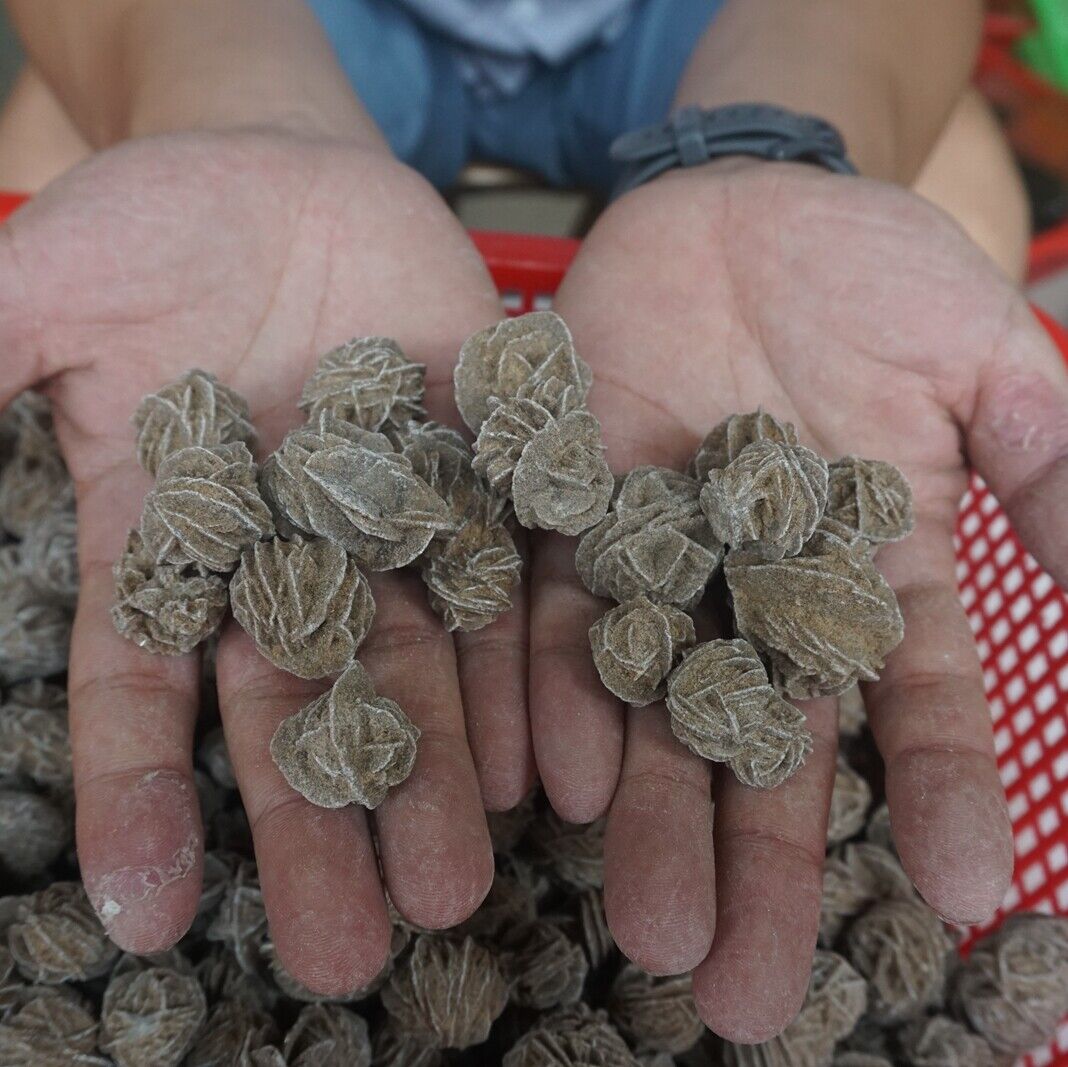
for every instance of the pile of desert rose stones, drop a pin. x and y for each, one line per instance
(367, 482)
(533, 978)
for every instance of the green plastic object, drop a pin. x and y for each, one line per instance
(1045, 50)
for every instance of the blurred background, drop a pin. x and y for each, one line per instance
(1022, 70)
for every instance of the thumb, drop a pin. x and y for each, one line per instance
(1018, 437)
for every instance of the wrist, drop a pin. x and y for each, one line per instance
(235, 64)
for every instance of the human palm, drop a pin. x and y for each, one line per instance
(865, 317)
(249, 255)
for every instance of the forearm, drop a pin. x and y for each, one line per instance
(125, 68)
(887, 73)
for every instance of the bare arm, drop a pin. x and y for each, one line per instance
(887, 74)
(123, 68)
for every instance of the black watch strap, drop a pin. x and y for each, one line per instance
(694, 135)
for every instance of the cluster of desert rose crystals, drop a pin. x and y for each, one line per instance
(367, 483)
(811, 614)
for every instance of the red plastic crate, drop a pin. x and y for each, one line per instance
(1018, 615)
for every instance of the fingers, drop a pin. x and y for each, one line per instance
(576, 724)
(492, 666)
(432, 833)
(932, 725)
(1017, 438)
(769, 879)
(317, 867)
(132, 715)
(659, 871)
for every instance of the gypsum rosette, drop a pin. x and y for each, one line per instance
(522, 387)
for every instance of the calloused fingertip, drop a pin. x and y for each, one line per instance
(661, 948)
(449, 894)
(337, 954)
(142, 853)
(505, 791)
(744, 1018)
(952, 831)
(579, 802)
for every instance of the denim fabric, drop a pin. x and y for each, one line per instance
(558, 123)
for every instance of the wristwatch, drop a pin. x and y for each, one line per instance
(694, 135)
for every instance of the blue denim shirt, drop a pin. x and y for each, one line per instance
(541, 84)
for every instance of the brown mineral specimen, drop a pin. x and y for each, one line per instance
(824, 618)
(575, 853)
(446, 993)
(34, 481)
(508, 827)
(727, 439)
(776, 749)
(655, 540)
(724, 709)
(222, 978)
(901, 947)
(879, 830)
(571, 1036)
(367, 381)
(196, 409)
(349, 746)
(328, 1035)
(635, 646)
(940, 1042)
(205, 508)
(516, 354)
(50, 1031)
(163, 608)
(241, 921)
(215, 757)
(550, 969)
(305, 604)
(233, 1032)
(596, 937)
(849, 804)
(150, 1015)
(50, 555)
(510, 427)
(1013, 988)
(56, 936)
(852, 715)
(347, 485)
(34, 632)
(445, 461)
(552, 464)
(872, 498)
(394, 1049)
(837, 995)
(509, 907)
(860, 1059)
(855, 877)
(768, 499)
(655, 1014)
(562, 481)
(34, 738)
(34, 832)
(470, 577)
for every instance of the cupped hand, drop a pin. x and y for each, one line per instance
(866, 317)
(249, 255)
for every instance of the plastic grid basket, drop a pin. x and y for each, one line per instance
(1018, 615)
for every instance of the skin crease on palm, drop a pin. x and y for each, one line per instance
(846, 305)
